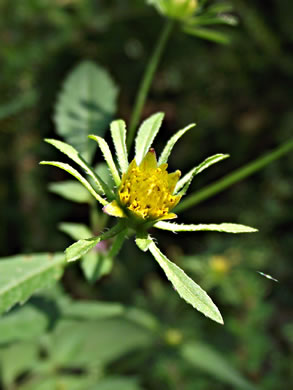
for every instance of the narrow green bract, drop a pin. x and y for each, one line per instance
(186, 287)
(187, 179)
(170, 144)
(118, 132)
(146, 134)
(222, 227)
(108, 157)
(77, 175)
(75, 156)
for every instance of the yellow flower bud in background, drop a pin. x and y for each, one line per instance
(220, 264)
(173, 337)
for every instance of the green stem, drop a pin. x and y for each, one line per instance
(147, 80)
(234, 177)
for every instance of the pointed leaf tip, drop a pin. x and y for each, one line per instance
(191, 292)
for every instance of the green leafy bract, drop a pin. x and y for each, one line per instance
(75, 156)
(118, 132)
(186, 287)
(81, 247)
(108, 157)
(146, 134)
(77, 175)
(170, 144)
(222, 227)
(184, 183)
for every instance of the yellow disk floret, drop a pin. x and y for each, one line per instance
(146, 190)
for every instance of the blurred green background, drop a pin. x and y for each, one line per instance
(240, 96)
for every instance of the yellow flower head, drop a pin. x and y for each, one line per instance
(146, 191)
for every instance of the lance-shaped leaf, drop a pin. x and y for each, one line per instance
(77, 175)
(170, 144)
(85, 105)
(108, 157)
(22, 275)
(222, 227)
(118, 132)
(186, 287)
(146, 134)
(186, 180)
(81, 247)
(73, 154)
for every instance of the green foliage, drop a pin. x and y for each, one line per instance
(81, 247)
(184, 183)
(222, 227)
(77, 175)
(108, 157)
(186, 287)
(70, 190)
(73, 154)
(85, 105)
(209, 34)
(22, 275)
(170, 144)
(146, 134)
(205, 358)
(118, 133)
(191, 79)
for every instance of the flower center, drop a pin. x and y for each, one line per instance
(147, 190)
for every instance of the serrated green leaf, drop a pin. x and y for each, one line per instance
(77, 175)
(118, 132)
(81, 247)
(146, 135)
(187, 179)
(172, 141)
(75, 156)
(75, 230)
(85, 105)
(108, 157)
(191, 292)
(22, 275)
(202, 356)
(222, 227)
(70, 190)
(208, 34)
